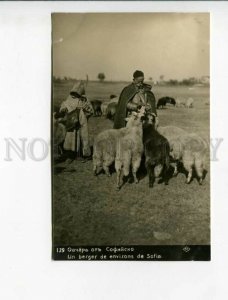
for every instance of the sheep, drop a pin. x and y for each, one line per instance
(104, 148)
(171, 101)
(129, 149)
(161, 102)
(96, 104)
(164, 100)
(156, 149)
(111, 110)
(104, 107)
(170, 133)
(190, 149)
(180, 102)
(189, 103)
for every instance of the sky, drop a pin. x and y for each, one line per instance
(175, 45)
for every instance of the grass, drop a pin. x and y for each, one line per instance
(87, 210)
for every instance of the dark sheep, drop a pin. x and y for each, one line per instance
(164, 100)
(96, 104)
(156, 149)
(161, 102)
(111, 110)
(171, 101)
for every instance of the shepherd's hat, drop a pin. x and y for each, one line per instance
(78, 90)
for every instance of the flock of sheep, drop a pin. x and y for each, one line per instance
(108, 108)
(143, 139)
(161, 146)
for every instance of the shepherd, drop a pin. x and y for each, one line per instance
(132, 97)
(77, 110)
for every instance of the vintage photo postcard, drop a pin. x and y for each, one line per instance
(130, 136)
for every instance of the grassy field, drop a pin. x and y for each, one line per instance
(87, 210)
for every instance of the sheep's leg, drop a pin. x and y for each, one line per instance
(96, 170)
(199, 170)
(118, 184)
(135, 167)
(108, 160)
(126, 155)
(188, 162)
(175, 169)
(166, 175)
(106, 169)
(150, 171)
(188, 180)
(118, 167)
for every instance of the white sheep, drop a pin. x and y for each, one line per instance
(180, 102)
(129, 149)
(104, 147)
(191, 150)
(104, 106)
(189, 103)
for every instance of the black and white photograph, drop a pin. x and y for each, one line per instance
(113, 150)
(131, 132)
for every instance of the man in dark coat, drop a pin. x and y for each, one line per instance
(133, 97)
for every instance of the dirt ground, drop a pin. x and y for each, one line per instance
(87, 210)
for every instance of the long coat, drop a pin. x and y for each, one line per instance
(127, 95)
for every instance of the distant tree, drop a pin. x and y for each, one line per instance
(151, 78)
(65, 78)
(161, 77)
(101, 77)
(173, 82)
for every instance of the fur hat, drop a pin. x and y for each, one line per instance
(137, 74)
(78, 90)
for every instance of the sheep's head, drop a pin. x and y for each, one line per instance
(150, 119)
(135, 118)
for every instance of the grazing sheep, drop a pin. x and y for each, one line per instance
(171, 101)
(96, 104)
(189, 103)
(180, 102)
(190, 149)
(156, 149)
(161, 102)
(164, 100)
(104, 148)
(111, 110)
(129, 149)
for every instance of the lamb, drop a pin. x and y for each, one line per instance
(104, 148)
(156, 149)
(190, 149)
(129, 149)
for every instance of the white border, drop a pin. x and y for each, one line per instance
(26, 269)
